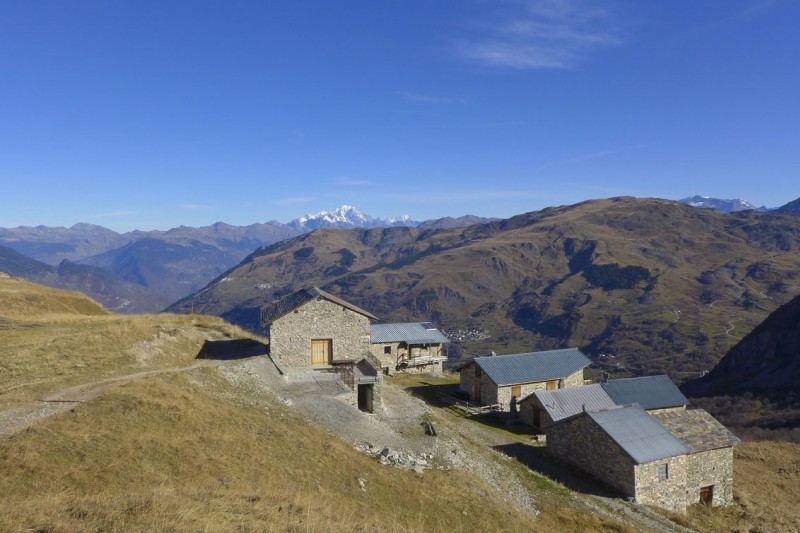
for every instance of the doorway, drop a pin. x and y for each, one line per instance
(365, 397)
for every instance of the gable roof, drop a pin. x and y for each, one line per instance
(535, 366)
(563, 403)
(697, 429)
(638, 433)
(651, 392)
(410, 332)
(284, 306)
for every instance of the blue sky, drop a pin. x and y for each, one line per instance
(150, 115)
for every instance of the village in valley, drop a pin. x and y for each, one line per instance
(637, 437)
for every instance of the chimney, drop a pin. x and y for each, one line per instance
(605, 377)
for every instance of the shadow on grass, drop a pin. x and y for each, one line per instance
(537, 459)
(431, 393)
(505, 422)
(231, 349)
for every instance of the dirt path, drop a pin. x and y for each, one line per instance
(65, 399)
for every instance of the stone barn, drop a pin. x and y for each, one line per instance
(314, 328)
(668, 464)
(495, 380)
(412, 346)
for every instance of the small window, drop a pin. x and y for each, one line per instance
(387, 350)
(516, 391)
(663, 472)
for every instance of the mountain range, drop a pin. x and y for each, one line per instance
(168, 265)
(726, 206)
(643, 285)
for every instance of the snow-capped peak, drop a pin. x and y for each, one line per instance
(346, 216)
(724, 205)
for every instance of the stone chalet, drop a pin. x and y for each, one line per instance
(495, 380)
(408, 346)
(669, 458)
(652, 393)
(311, 328)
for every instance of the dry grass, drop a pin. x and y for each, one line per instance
(52, 339)
(184, 452)
(766, 492)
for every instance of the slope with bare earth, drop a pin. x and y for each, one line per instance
(653, 285)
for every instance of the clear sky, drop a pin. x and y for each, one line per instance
(152, 114)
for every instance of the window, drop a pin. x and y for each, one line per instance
(478, 372)
(387, 350)
(516, 391)
(663, 472)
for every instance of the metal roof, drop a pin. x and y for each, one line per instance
(410, 332)
(638, 433)
(535, 366)
(651, 392)
(563, 403)
(284, 306)
(697, 429)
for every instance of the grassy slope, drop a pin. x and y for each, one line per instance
(192, 451)
(51, 339)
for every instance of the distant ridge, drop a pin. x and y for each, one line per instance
(791, 207)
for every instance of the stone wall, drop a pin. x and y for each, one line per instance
(667, 493)
(526, 412)
(291, 335)
(710, 468)
(526, 389)
(580, 442)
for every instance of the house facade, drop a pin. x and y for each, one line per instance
(314, 328)
(496, 380)
(638, 454)
(409, 347)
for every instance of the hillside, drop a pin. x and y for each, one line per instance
(791, 207)
(110, 422)
(755, 388)
(103, 286)
(654, 286)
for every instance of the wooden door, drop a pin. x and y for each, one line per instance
(321, 351)
(516, 391)
(537, 417)
(477, 392)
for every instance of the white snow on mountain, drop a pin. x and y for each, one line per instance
(347, 216)
(724, 205)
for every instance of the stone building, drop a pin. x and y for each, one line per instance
(647, 458)
(414, 346)
(653, 393)
(314, 328)
(311, 328)
(495, 380)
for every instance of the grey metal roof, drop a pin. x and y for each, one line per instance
(638, 433)
(410, 332)
(563, 403)
(529, 367)
(284, 306)
(651, 392)
(697, 429)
